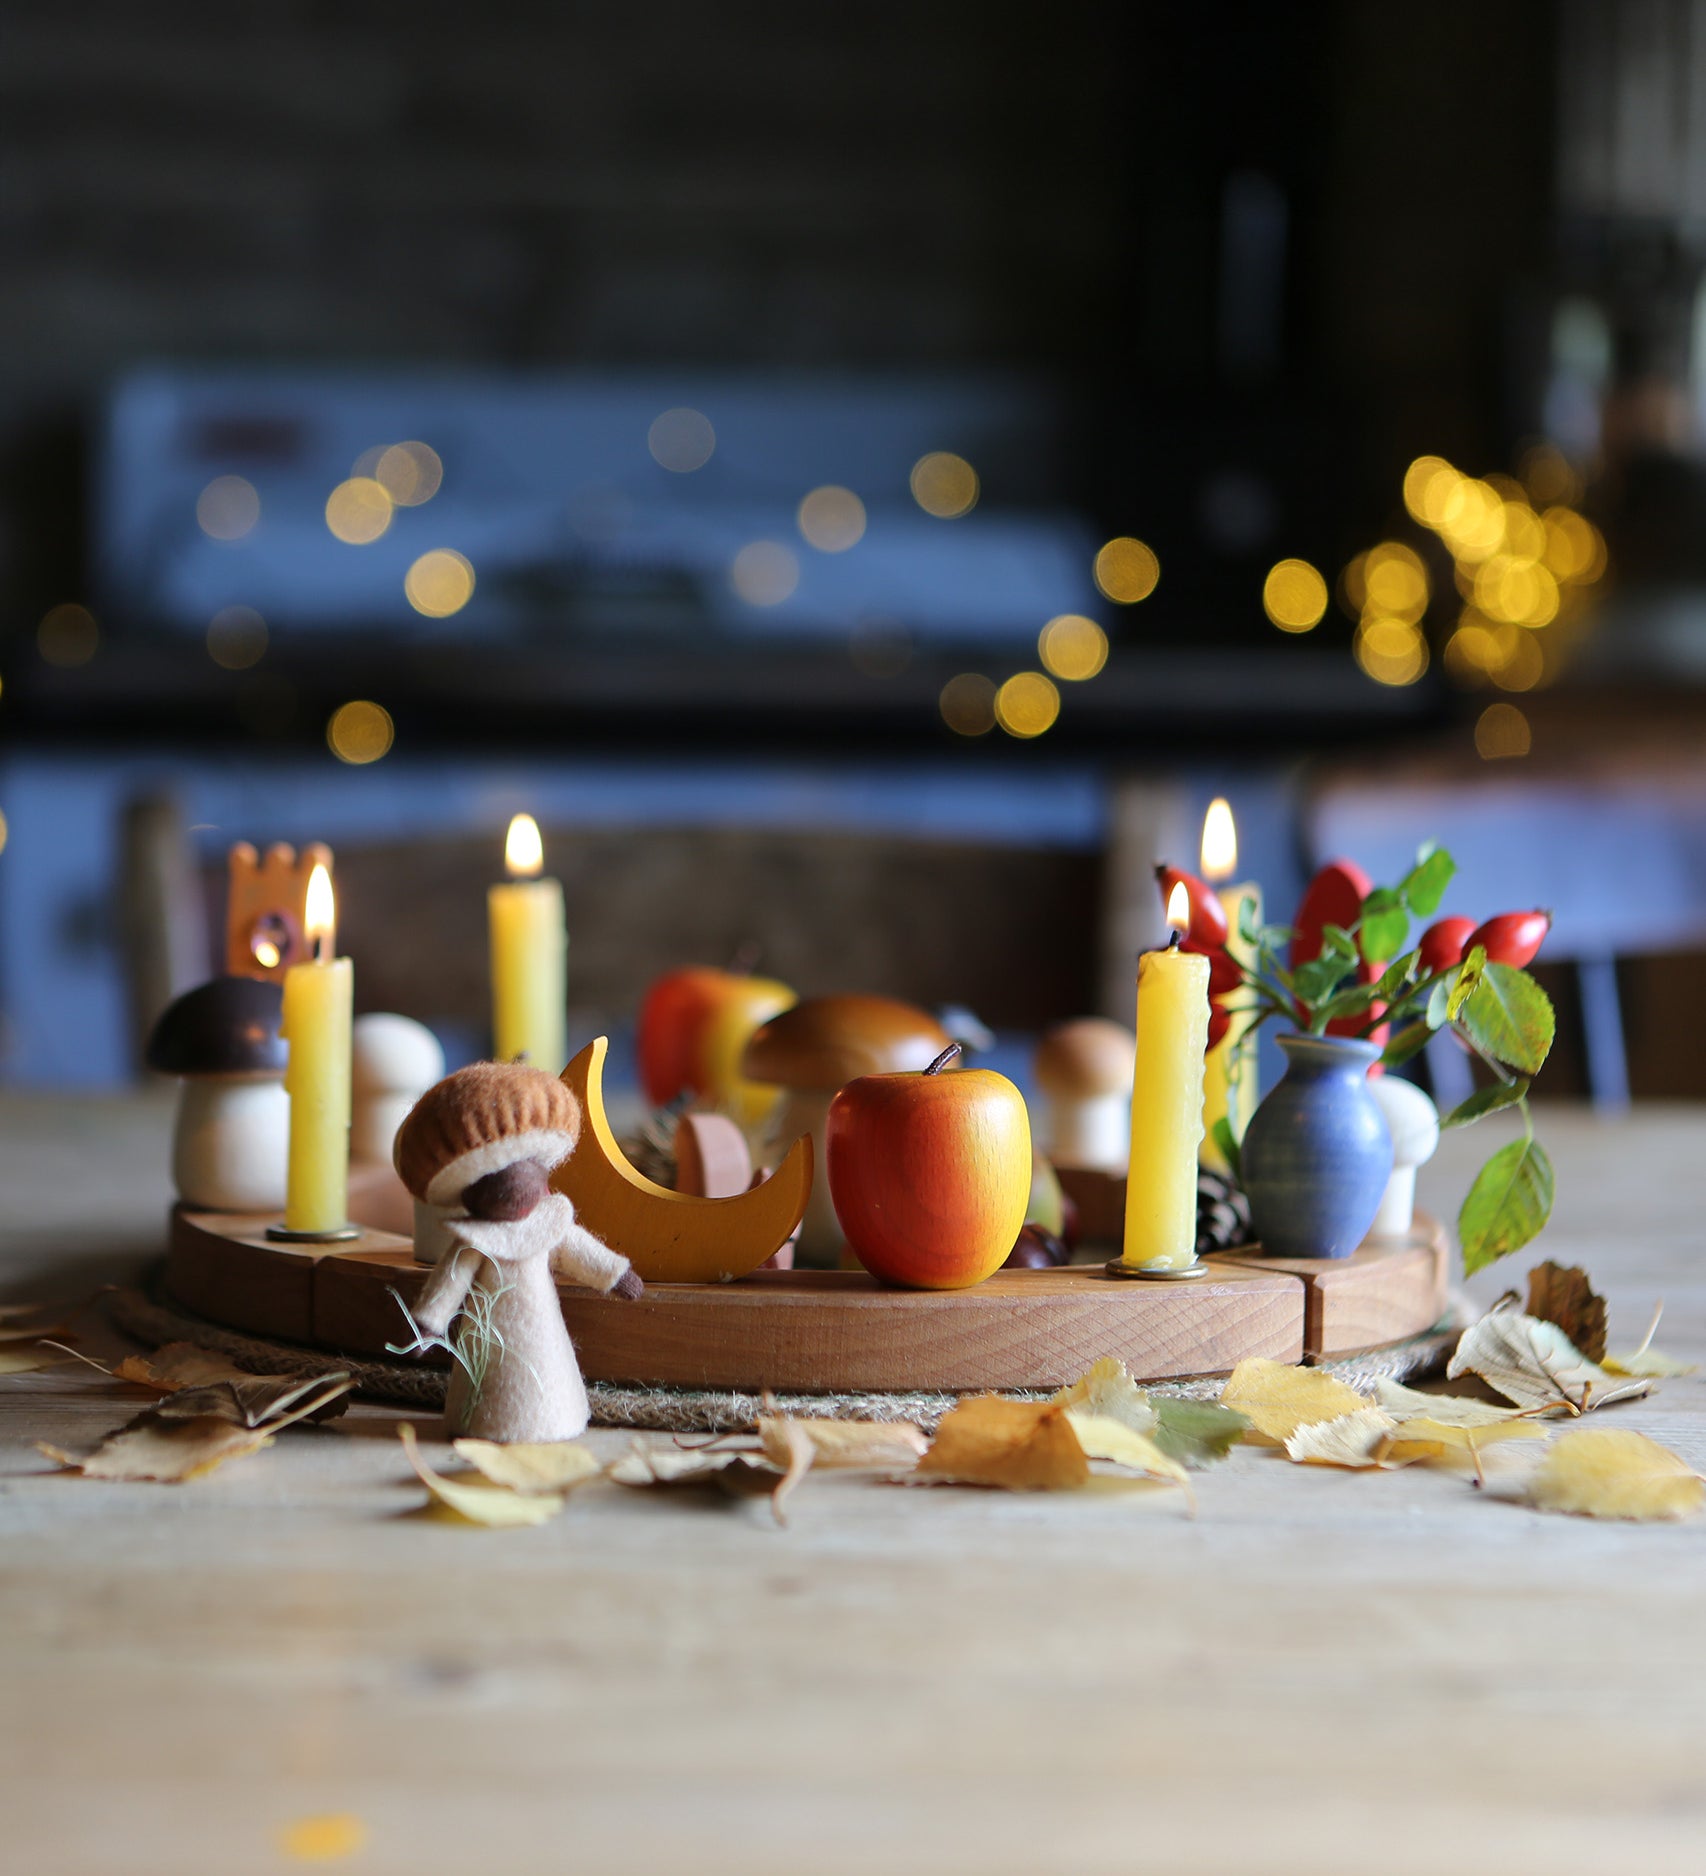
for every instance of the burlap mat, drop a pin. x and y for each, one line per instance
(153, 1318)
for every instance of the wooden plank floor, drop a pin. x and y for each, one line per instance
(1322, 1670)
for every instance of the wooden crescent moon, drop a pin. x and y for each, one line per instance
(671, 1237)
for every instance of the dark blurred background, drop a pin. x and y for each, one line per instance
(683, 421)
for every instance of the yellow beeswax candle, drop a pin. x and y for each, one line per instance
(529, 954)
(1166, 1109)
(1229, 1074)
(318, 996)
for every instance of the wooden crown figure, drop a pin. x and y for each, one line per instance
(264, 909)
(485, 1140)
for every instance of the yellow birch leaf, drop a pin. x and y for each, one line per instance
(545, 1466)
(797, 1450)
(1018, 1446)
(1103, 1437)
(1278, 1399)
(849, 1443)
(1647, 1364)
(177, 1365)
(1349, 1440)
(1536, 1365)
(476, 1500)
(1603, 1472)
(1107, 1390)
(166, 1451)
(1450, 1410)
(1469, 1438)
(1397, 1449)
(28, 1359)
(733, 1474)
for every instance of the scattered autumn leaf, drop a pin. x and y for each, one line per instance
(1106, 1389)
(1604, 1472)
(553, 1466)
(174, 1366)
(1112, 1440)
(1534, 1364)
(1352, 1441)
(1277, 1399)
(474, 1499)
(1020, 1446)
(19, 1332)
(1562, 1294)
(1646, 1362)
(166, 1451)
(1197, 1433)
(1452, 1410)
(27, 1358)
(844, 1443)
(702, 1468)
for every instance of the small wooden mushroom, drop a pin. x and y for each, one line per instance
(1083, 1070)
(813, 1051)
(1413, 1121)
(231, 1141)
(393, 1061)
(485, 1140)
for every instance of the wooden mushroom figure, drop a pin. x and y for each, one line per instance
(1083, 1070)
(393, 1061)
(1413, 1121)
(813, 1051)
(231, 1141)
(485, 1139)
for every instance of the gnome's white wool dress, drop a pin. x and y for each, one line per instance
(480, 1144)
(517, 1377)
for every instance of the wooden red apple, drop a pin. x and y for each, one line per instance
(930, 1173)
(693, 1025)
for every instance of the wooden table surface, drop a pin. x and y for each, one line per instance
(1322, 1670)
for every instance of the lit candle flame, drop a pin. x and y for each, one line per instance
(1219, 841)
(319, 914)
(524, 851)
(1179, 908)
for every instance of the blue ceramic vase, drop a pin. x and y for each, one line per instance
(1317, 1153)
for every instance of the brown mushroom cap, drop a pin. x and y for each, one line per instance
(226, 1027)
(824, 1043)
(1086, 1058)
(480, 1120)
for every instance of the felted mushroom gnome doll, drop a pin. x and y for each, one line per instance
(485, 1140)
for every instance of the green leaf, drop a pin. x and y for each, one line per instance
(1385, 925)
(1406, 1043)
(1509, 1202)
(1509, 1017)
(1463, 984)
(1424, 885)
(1315, 981)
(1250, 921)
(1395, 976)
(1230, 1150)
(1337, 942)
(1439, 1000)
(1351, 1002)
(1195, 1432)
(1486, 1101)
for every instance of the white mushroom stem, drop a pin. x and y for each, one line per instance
(1413, 1121)
(1089, 1130)
(821, 1238)
(374, 1120)
(230, 1146)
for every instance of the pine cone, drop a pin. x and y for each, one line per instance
(1223, 1212)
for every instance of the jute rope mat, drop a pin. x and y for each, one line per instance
(150, 1317)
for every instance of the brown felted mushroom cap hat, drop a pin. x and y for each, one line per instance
(480, 1120)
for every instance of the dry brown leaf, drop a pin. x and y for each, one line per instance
(550, 1466)
(1277, 1399)
(883, 1444)
(176, 1365)
(1452, 1410)
(476, 1500)
(1534, 1364)
(26, 1359)
(793, 1448)
(1106, 1389)
(16, 1332)
(1352, 1441)
(262, 1400)
(1646, 1362)
(1562, 1294)
(168, 1451)
(700, 1468)
(1020, 1446)
(1604, 1472)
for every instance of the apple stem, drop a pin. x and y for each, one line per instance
(943, 1059)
